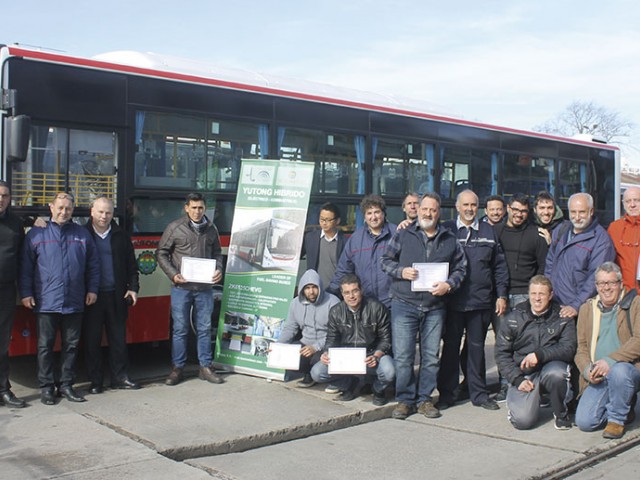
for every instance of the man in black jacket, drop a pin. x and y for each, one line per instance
(118, 288)
(469, 310)
(11, 238)
(324, 246)
(533, 349)
(358, 322)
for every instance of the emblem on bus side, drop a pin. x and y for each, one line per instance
(147, 262)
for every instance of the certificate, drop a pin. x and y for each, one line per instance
(284, 355)
(428, 274)
(198, 270)
(347, 361)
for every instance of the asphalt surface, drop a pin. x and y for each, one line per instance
(251, 428)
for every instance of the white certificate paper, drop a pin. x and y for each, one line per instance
(198, 270)
(343, 361)
(428, 274)
(284, 355)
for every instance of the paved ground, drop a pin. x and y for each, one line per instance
(249, 428)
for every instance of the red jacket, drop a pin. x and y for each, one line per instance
(625, 234)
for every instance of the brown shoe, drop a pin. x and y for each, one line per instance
(402, 411)
(613, 430)
(209, 375)
(175, 377)
(429, 410)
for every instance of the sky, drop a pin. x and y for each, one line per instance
(511, 63)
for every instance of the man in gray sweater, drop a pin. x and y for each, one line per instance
(306, 322)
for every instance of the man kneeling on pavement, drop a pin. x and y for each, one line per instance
(306, 322)
(534, 348)
(358, 322)
(608, 355)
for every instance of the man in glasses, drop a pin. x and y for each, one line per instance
(324, 246)
(608, 355)
(625, 234)
(576, 251)
(525, 251)
(59, 277)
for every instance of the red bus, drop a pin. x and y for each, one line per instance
(146, 129)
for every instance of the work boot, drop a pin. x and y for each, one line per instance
(175, 377)
(429, 410)
(613, 430)
(402, 411)
(209, 375)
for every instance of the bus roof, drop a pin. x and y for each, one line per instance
(196, 72)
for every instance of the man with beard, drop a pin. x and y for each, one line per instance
(576, 251)
(525, 251)
(546, 214)
(420, 313)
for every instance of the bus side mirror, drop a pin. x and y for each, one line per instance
(17, 137)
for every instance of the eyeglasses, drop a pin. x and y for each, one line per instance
(612, 283)
(519, 211)
(351, 293)
(327, 220)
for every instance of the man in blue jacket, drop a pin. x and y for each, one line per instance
(577, 249)
(417, 312)
(362, 253)
(469, 310)
(60, 275)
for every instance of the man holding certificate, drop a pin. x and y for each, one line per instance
(307, 320)
(423, 250)
(358, 342)
(190, 254)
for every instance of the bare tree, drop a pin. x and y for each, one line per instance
(589, 118)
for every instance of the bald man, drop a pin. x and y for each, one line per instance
(625, 234)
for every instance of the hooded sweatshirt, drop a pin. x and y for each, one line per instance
(308, 319)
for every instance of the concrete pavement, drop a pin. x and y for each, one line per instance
(250, 428)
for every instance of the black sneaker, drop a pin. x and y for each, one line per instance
(346, 396)
(562, 423)
(379, 399)
(502, 394)
(306, 382)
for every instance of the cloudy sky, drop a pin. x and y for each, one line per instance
(512, 63)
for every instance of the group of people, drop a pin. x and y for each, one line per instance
(77, 280)
(560, 295)
(81, 279)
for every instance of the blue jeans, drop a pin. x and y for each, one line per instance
(407, 322)
(609, 400)
(185, 306)
(383, 375)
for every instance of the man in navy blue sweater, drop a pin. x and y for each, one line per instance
(470, 308)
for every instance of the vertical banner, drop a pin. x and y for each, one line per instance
(262, 263)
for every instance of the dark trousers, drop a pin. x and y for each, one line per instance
(7, 311)
(101, 314)
(48, 326)
(476, 324)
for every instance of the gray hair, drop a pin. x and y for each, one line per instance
(467, 191)
(588, 197)
(610, 267)
(433, 196)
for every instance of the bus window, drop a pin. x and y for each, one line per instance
(401, 166)
(455, 171)
(82, 162)
(527, 174)
(572, 178)
(335, 156)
